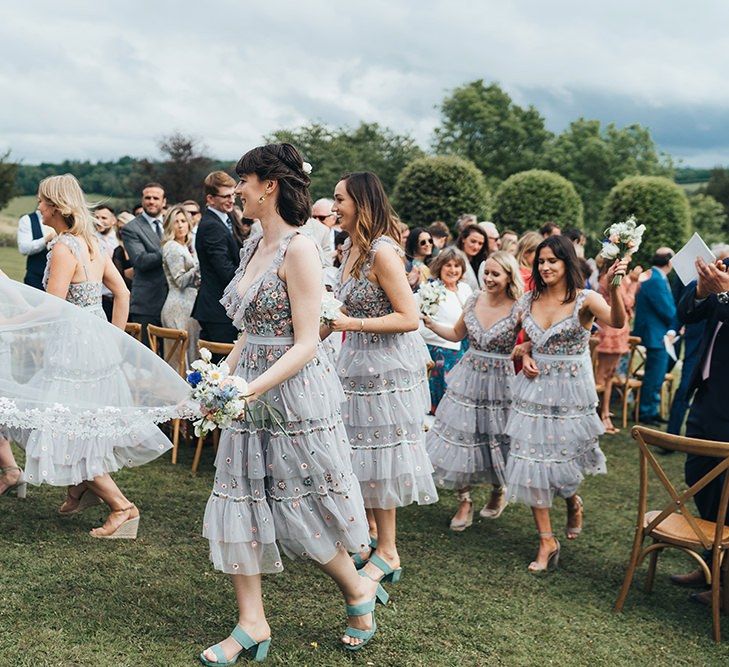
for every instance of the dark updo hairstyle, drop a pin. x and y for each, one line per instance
(563, 249)
(413, 243)
(282, 163)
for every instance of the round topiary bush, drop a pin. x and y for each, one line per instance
(440, 188)
(525, 201)
(656, 202)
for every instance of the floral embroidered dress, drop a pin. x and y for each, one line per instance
(295, 485)
(553, 425)
(468, 444)
(384, 380)
(98, 426)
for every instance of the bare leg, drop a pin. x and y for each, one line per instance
(121, 507)
(544, 526)
(355, 588)
(464, 506)
(386, 548)
(11, 473)
(372, 523)
(251, 615)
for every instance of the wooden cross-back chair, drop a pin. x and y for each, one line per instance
(215, 348)
(675, 526)
(134, 329)
(176, 355)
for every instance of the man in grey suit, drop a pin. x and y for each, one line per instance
(142, 239)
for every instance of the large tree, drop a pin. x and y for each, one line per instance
(594, 159)
(718, 186)
(708, 218)
(482, 123)
(333, 152)
(8, 170)
(184, 167)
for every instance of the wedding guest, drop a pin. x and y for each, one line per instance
(525, 253)
(553, 425)
(290, 488)
(33, 238)
(403, 233)
(339, 240)
(217, 252)
(143, 244)
(138, 209)
(106, 226)
(613, 343)
(707, 300)
(466, 220)
(123, 218)
(322, 212)
(468, 444)
(655, 318)
(448, 268)
(122, 262)
(193, 210)
(509, 241)
(441, 236)
(472, 242)
(382, 367)
(493, 243)
(183, 276)
(549, 229)
(418, 251)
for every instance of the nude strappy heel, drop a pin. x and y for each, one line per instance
(552, 559)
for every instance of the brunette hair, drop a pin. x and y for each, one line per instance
(413, 242)
(213, 182)
(563, 249)
(507, 261)
(449, 254)
(153, 184)
(476, 260)
(439, 229)
(375, 215)
(282, 163)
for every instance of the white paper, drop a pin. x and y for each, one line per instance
(684, 260)
(670, 346)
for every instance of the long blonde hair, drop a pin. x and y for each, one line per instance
(507, 261)
(527, 243)
(375, 215)
(65, 194)
(169, 223)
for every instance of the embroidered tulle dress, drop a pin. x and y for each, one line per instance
(467, 443)
(387, 398)
(99, 426)
(553, 424)
(292, 486)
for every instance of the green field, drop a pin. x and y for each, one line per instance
(465, 599)
(12, 263)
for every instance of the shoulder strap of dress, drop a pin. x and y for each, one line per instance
(579, 300)
(470, 303)
(376, 245)
(73, 244)
(281, 253)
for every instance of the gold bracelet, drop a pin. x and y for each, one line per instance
(361, 326)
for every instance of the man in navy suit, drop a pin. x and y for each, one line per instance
(655, 317)
(218, 253)
(707, 300)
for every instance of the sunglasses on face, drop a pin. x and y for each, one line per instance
(322, 218)
(425, 242)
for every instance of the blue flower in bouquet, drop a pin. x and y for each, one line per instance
(193, 379)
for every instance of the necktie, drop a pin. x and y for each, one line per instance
(158, 229)
(229, 224)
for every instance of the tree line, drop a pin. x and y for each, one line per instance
(483, 140)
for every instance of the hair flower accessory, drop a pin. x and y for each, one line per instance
(306, 168)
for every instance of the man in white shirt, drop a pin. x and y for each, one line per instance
(33, 239)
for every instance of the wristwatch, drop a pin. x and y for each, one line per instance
(723, 297)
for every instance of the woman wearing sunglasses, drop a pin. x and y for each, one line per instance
(418, 252)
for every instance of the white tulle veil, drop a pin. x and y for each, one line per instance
(73, 377)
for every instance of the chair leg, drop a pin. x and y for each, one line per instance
(198, 453)
(632, 564)
(715, 595)
(651, 576)
(626, 394)
(175, 440)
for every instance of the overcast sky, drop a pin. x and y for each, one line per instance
(98, 80)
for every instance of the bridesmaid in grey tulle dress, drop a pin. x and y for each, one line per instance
(285, 485)
(467, 443)
(553, 425)
(382, 366)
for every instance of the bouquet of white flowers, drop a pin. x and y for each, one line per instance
(223, 397)
(621, 240)
(431, 295)
(331, 308)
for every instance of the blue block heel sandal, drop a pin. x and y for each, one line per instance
(390, 574)
(368, 607)
(360, 562)
(258, 650)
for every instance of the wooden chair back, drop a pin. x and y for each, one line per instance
(674, 525)
(176, 351)
(215, 348)
(134, 329)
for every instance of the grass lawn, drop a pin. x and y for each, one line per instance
(12, 263)
(465, 599)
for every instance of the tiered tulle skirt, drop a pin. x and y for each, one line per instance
(293, 486)
(387, 398)
(554, 431)
(468, 443)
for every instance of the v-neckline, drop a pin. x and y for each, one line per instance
(263, 273)
(554, 324)
(480, 324)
